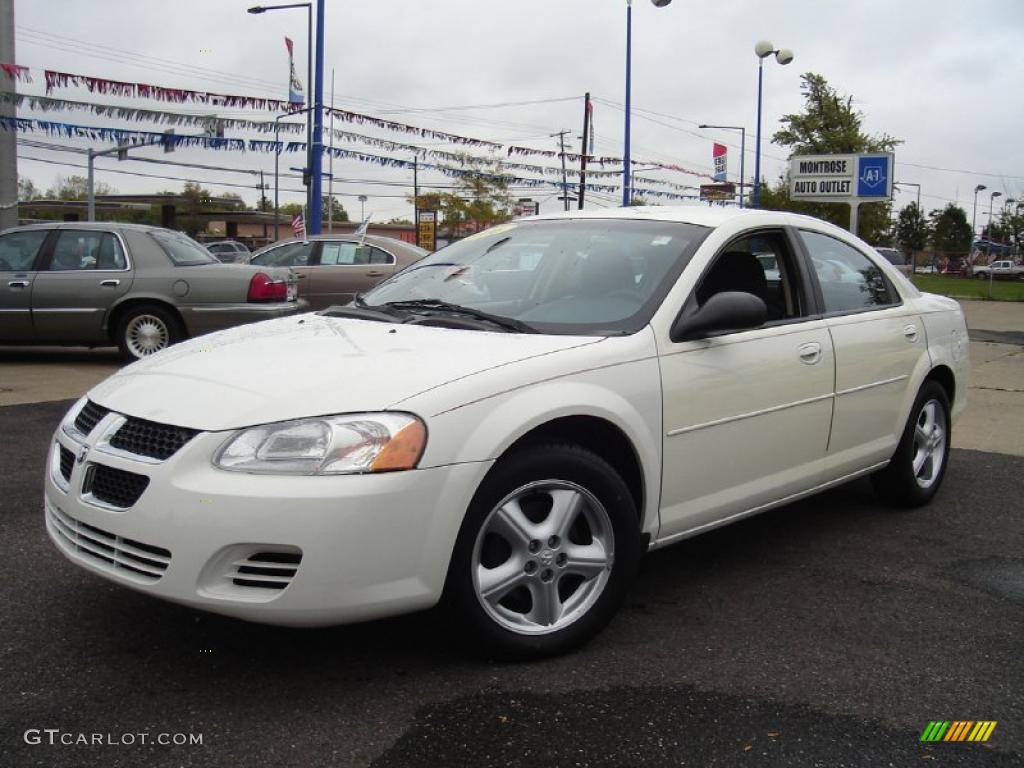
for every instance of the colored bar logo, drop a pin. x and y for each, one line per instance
(958, 730)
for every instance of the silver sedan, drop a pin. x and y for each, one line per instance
(138, 287)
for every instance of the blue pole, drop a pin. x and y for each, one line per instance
(318, 126)
(757, 153)
(626, 175)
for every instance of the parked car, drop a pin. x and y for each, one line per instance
(229, 251)
(333, 269)
(138, 287)
(1004, 269)
(897, 258)
(636, 382)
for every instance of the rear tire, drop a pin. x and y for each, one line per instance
(146, 329)
(918, 466)
(547, 551)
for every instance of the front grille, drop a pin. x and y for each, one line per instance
(265, 570)
(115, 486)
(90, 415)
(143, 562)
(67, 461)
(147, 438)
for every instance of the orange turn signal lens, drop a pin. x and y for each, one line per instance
(403, 451)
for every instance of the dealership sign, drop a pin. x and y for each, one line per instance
(841, 178)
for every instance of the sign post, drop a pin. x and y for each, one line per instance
(850, 179)
(426, 232)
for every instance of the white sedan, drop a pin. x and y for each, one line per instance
(507, 437)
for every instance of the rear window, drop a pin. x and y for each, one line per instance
(182, 249)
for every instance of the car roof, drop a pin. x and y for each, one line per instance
(348, 237)
(103, 225)
(701, 215)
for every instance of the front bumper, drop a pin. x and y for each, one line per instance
(354, 547)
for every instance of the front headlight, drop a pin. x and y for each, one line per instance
(327, 445)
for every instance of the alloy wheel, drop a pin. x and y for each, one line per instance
(146, 334)
(929, 443)
(543, 557)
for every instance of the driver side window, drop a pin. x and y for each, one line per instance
(287, 255)
(760, 263)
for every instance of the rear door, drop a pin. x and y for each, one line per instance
(299, 255)
(878, 343)
(345, 269)
(84, 272)
(19, 255)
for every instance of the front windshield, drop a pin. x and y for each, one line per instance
(582, 276)
(182, 249)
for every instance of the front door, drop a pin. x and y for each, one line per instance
(19, 253)
(345, 269)
(747, 413)
(85, 272)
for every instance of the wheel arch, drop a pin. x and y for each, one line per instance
(116, 312)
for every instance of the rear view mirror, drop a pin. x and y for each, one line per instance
(725, 311)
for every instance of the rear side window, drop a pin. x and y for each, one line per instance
(377, 256)
(287, 255)
(77, 250)
(18, 249)
(182, 249)
(849, 280)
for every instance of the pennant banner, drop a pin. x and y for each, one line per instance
(295, 95)
(16, 72)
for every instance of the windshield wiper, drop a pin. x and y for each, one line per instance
(443, 306)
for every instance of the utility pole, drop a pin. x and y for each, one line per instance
(8, 139)
(584, 145)
(416, 193)
(565, 180)
(330, 161)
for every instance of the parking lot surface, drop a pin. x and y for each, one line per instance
(829, 632)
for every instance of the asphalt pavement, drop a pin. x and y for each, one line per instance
(829, 632)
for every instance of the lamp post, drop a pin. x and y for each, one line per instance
(911, 184)
(784, 56)
(991, 199)
(974, 219)
(362, 209)
(627, 192)
(258, 9)
(743, 150)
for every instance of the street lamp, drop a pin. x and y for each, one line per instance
(743, 150)
(314, 120)
(627, 191)
(258, 9)
(911, 184)
(991, 199)
(784, 56)
(362, 210)
(974, 216)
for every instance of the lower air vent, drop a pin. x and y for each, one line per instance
(265, 570)
(67, 461)
(115, 486)
(127, 557)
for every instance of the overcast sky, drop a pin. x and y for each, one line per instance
(942, 75)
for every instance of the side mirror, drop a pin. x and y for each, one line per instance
(725, 311)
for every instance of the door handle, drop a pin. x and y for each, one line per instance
(109, 283)
(301, 277)
(810, 353)
(374, 273)
(17, 284)
(910, 331)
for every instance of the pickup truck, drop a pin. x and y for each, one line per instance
(997, 270)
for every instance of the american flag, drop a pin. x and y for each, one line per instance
(298, 225)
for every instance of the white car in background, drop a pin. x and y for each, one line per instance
(509, 436)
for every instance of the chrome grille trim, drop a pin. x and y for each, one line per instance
(108, 551)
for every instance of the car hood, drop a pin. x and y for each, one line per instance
(308, 365)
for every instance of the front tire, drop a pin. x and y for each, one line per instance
(547, 551)
(146, 329)
(919, 464)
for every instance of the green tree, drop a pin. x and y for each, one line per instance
(399, 220)
(951, 232)
(76, 188)
(337, 210)
(912, 231)
(829, 124)
(480, 200)
(27, 190)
